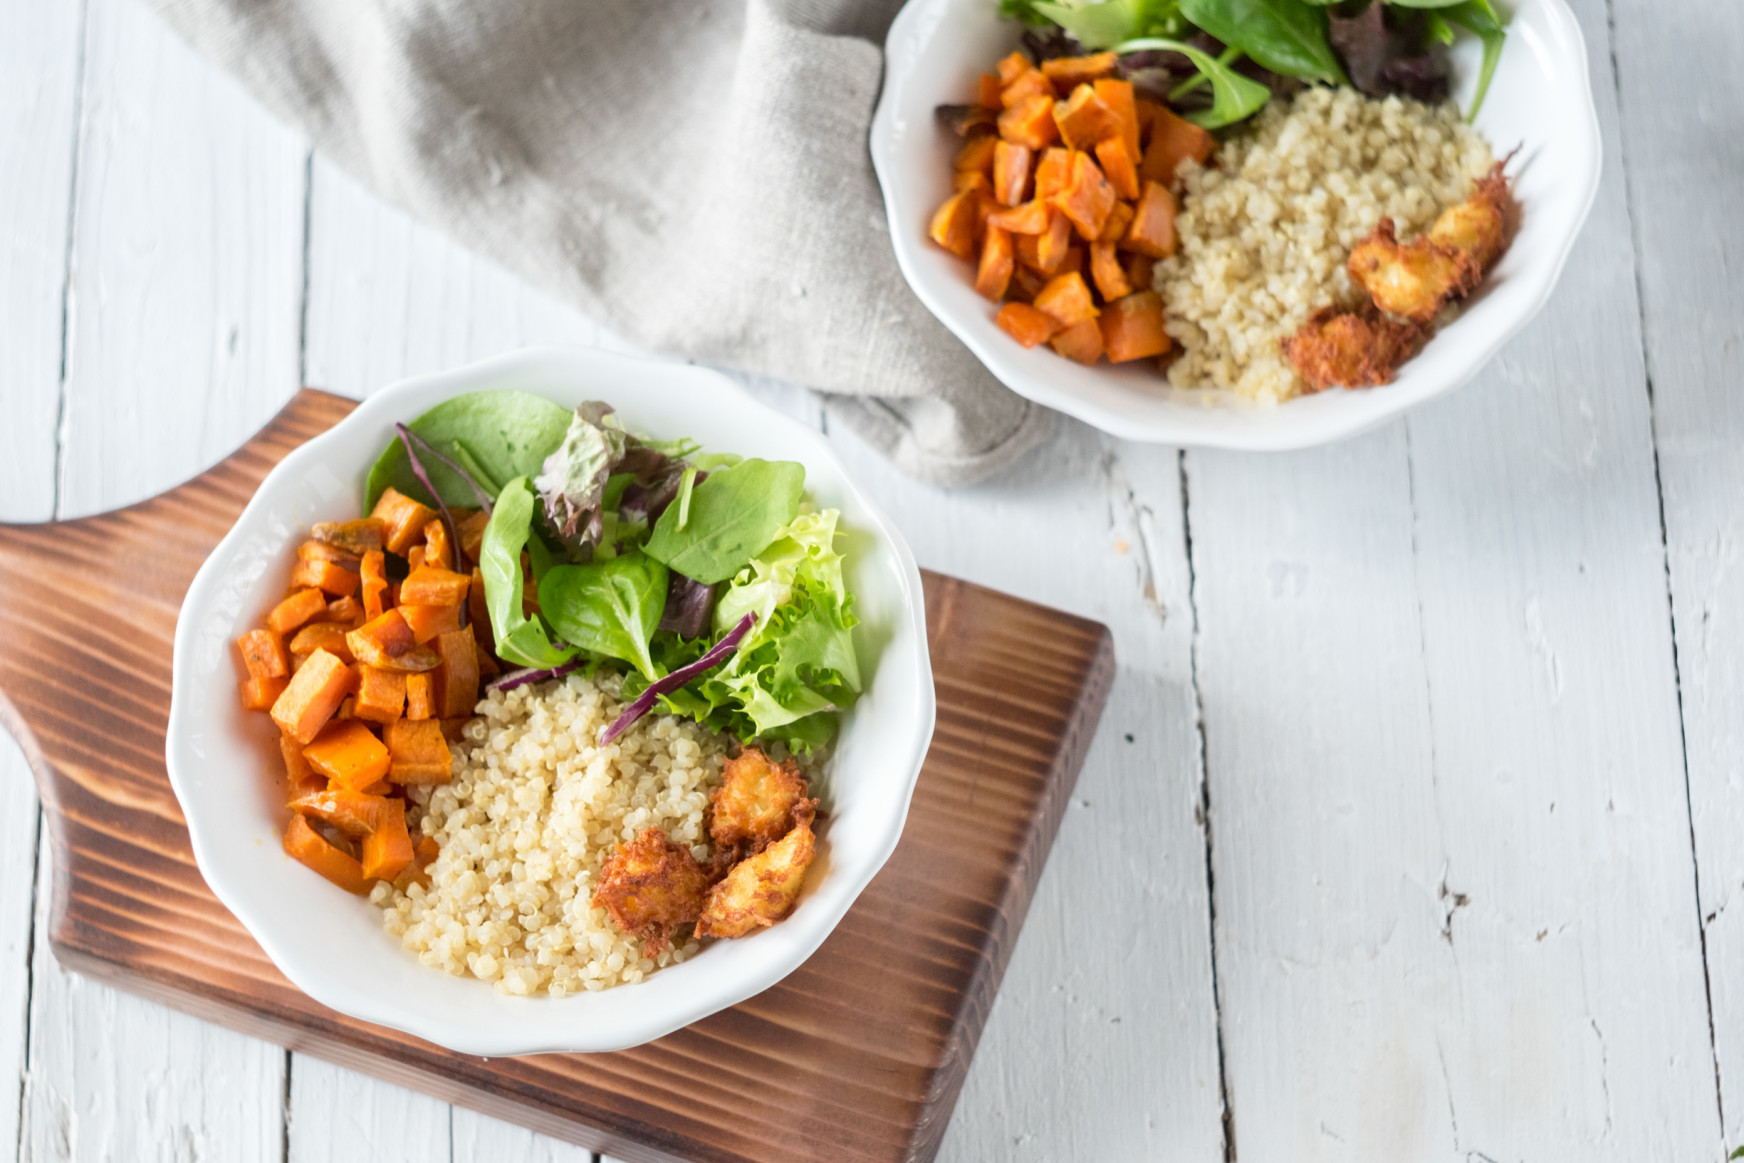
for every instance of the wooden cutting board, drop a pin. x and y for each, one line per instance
(858, 1055)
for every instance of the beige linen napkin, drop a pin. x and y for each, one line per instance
(692, 173)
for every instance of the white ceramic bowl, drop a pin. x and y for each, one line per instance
(1539, 99)
(222, 760)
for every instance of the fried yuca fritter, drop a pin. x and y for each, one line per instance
(1353, 349)
(757, 804)
(1479, 225)
(1411, 279)
(760, 889)
(651, 886)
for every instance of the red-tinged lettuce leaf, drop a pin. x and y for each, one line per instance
(1384, 52)
(690, 606)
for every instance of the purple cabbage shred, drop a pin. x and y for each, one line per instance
(515, 678)
(645, 701)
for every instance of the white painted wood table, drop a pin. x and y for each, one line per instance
(1413, 823)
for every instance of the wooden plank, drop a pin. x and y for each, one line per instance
(187, 254)
(857, 1054)
(1455, 911)
(1679, 96)
(1103, 1042)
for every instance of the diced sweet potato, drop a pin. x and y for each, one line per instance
(431, 585)
(993, 274)
(1026, 324)
(472, 532)
(374, 575)
(1052, 172)
(312, 696)
(1067, 73)
(420, 695)
(1132, 327)
(457, 676)
(454, 728)
(322, 551)
(1081, 342)
(347, 708)
(975, 183)
(419, 752)
(260, 692)
(297, 769)
(953, 224)
(355, 813)
(346, 611)
(487, 663)
(388, 642)
(388, 849)
(1173, 139)
(1152, 232)
(348, 753)
(325, 576)
(296, 610)
(1026, 281)
(1012, 67)
(414, 558)
(328, 636)
(1140, 271)
(1119, 219)
(354, 537)
(1118, 96)
(1053, 243)
(1085, 119)
(1067, 299)
(1118, 166)
(1026, 87)
(1030, 218)
(476, 611)
(381, 694)
(424, 853)
(263, 654)
(976, 156)
(1011, 164)
(1072, 262)
(1106, 273)
(1030, 122)
(438, 551)
(308, 847)
(428, 621)
(1088, 199)
(987, 87)
(403, 520)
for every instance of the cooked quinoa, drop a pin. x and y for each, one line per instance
(533, 810)
(1264, 235)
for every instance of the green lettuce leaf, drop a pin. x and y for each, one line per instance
(520, 639)
(495, 436)
(610, 608)
(733, 515)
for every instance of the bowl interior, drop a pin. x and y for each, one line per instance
(1539, 100)
(224, 768)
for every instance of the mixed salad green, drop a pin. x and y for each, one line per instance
(1218, 62)
(707, 580)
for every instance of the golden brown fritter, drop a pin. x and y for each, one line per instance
(651, 886)
(760, 889)
(1353, 349)
(1413, 279)
(1479, 225)
(757, 803)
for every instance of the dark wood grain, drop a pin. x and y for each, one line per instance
(858, 1055)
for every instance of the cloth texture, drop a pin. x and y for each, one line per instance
(694, 174)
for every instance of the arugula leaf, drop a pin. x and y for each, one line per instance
(520, 639)
(1100, 24)
(1477, 16)
(733, 514)
(1234, 97)
(611, 608)
(496, 436)
(1285, 36)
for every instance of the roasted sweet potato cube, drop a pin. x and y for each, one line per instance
(1012, 67)
(346, 611)
(1172, 140)
(297, 769)
(976, 156)
(1072, 262)
(953, 224)
(1088, 199)
(310, 848)
(1026, 324)
(1106, 272)
(1085, 119)
(487, 662)
(1132, 327)
(418, 752)
(1011, 166)
(355, 813)
(1152, 232)
(381, 694)
(987, 87)
(1052, 172)
(457, 676)
(259, 693)
(1030, 122)
(321, 551)
(1067, 73)
(348, 753)
(431, 585)
(975, 183)
(312, 696)
(1030, 218)
(1119, 219)
(420, 695)
(325, 576)
(476, 611)
(993, 274)
(374, 576)
(424, 853)
(328, 636)
(403, 520)
(1053, 244)
(388, 642)
(1118, 166)
(428, 621)
(388, 849)
(1025, 281)
(438, 551)
(1081, 342)
(1026, 87)
(1140, 271)
(295, 610)
(760, 890)
(353, 537)
(1118, 96)
(263, 654)
(1067, 299)
(472, 532)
